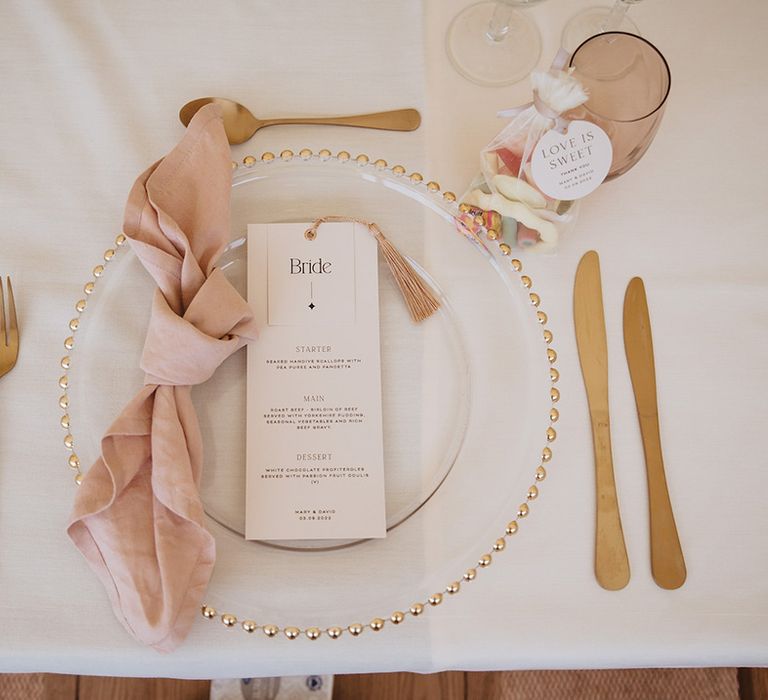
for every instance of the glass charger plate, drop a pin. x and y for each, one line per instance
(467, 400)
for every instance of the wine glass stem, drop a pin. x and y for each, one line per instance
(615, 16)
(498, 27)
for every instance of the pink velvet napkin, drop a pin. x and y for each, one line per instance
(138, 518)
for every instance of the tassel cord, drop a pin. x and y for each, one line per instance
(418, 296)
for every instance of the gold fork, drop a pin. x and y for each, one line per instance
(9, 333)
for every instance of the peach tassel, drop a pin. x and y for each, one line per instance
(419, 298)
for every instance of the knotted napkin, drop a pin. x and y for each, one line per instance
(137, 517)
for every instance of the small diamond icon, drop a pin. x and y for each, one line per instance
(311, 305)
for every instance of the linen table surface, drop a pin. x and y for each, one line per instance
(91, 91)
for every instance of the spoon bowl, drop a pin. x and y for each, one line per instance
(240, 124)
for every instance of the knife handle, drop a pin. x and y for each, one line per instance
(667, 562)
(611, 561)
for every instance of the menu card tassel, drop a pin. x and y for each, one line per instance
(419, 297)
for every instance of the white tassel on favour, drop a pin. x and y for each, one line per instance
(558, 90)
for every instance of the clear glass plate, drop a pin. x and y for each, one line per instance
(466, 400)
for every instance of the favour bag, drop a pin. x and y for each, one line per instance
(536, 168)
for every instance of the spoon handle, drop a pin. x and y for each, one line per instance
(397, 120)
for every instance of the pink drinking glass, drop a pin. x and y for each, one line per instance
(628, 81)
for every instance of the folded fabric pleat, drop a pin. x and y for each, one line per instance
(138, 518)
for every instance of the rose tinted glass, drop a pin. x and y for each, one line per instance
(628, 82)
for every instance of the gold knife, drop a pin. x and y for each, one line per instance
(667, 563)
(611, 562)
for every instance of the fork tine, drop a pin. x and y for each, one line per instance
(3, 335)
(13, 327)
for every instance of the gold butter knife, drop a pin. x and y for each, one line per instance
(667, 563)
(611, 562)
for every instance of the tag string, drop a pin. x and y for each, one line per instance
(419, 297)
(559, 123)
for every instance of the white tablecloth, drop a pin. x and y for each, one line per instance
(90, 94)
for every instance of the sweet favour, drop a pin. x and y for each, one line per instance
(534, 213)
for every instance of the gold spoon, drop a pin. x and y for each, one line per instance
(240, 124)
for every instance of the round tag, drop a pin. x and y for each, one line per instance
(573, 164)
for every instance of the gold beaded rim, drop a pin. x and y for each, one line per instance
(460, 212)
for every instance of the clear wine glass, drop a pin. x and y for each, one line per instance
(493, 44)
(596, 20)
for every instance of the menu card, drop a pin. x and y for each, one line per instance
(315, 466)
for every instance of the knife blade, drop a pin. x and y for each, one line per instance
(611, 561)
(667, 562)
